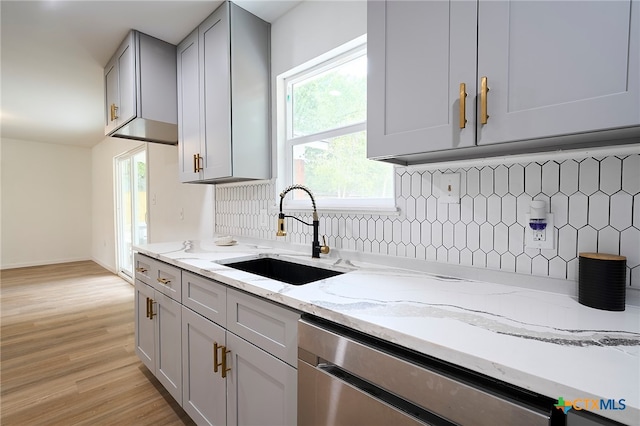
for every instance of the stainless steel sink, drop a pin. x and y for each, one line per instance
(281, 270)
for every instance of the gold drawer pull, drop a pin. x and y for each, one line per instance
(164, 281)
(140, 269)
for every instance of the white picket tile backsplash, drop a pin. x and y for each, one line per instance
(595, 201)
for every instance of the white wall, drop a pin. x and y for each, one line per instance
(46, 203)
(177, 211)
(313, 28)
(171, 197)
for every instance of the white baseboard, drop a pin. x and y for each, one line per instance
(44, 262)
(105, 266)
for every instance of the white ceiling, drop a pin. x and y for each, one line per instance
(53, 53)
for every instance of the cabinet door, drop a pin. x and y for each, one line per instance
(111, 94)
(558, 67)
(126, 66)
(261, 389)
(188, 108)
(215, 107)
(168, 317)
(145, 329)
(419, 52)
(203, 391)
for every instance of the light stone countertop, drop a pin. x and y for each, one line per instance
(541, 341)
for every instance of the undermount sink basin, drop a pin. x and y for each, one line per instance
(281, 270)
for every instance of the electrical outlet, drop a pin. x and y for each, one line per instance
(450, 188)
(540, 238)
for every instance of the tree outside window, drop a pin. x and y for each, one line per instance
(326, 127)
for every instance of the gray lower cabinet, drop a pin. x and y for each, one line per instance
(236, 360)
(156, 334)
(145, 329)
(261, 389)
(203, 390)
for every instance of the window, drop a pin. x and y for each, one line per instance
(326, 138)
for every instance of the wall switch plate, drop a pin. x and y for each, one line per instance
(540, 239)
(449, 188)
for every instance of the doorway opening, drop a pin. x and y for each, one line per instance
(131, 207)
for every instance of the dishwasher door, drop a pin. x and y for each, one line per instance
(345, 378)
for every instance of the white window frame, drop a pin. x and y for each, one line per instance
(286, 141)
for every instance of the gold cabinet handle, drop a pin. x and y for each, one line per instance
(223, 361)
(151, 314)
(147, 308)
(216, 364)
(163, 281)
(142, 270)
(199, 163)
(463, 105)
(484, 89)
(114, 112)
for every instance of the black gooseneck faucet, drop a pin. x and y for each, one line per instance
(316, 248)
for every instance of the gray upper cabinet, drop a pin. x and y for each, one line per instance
(223, 98)
(552, 69)
(558, 67)
(140, 90)
(419, 53)
(119, 77)
(188, 107)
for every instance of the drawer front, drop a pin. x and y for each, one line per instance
(206, 297)
(269, 326)
(144, 268)
(168, 280)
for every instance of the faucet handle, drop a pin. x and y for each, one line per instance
(281, 232)
(324, 248)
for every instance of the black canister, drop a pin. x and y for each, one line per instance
(602, 281)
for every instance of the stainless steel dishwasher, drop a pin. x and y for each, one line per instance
(348, 378)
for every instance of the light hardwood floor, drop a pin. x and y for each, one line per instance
(67, 351)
